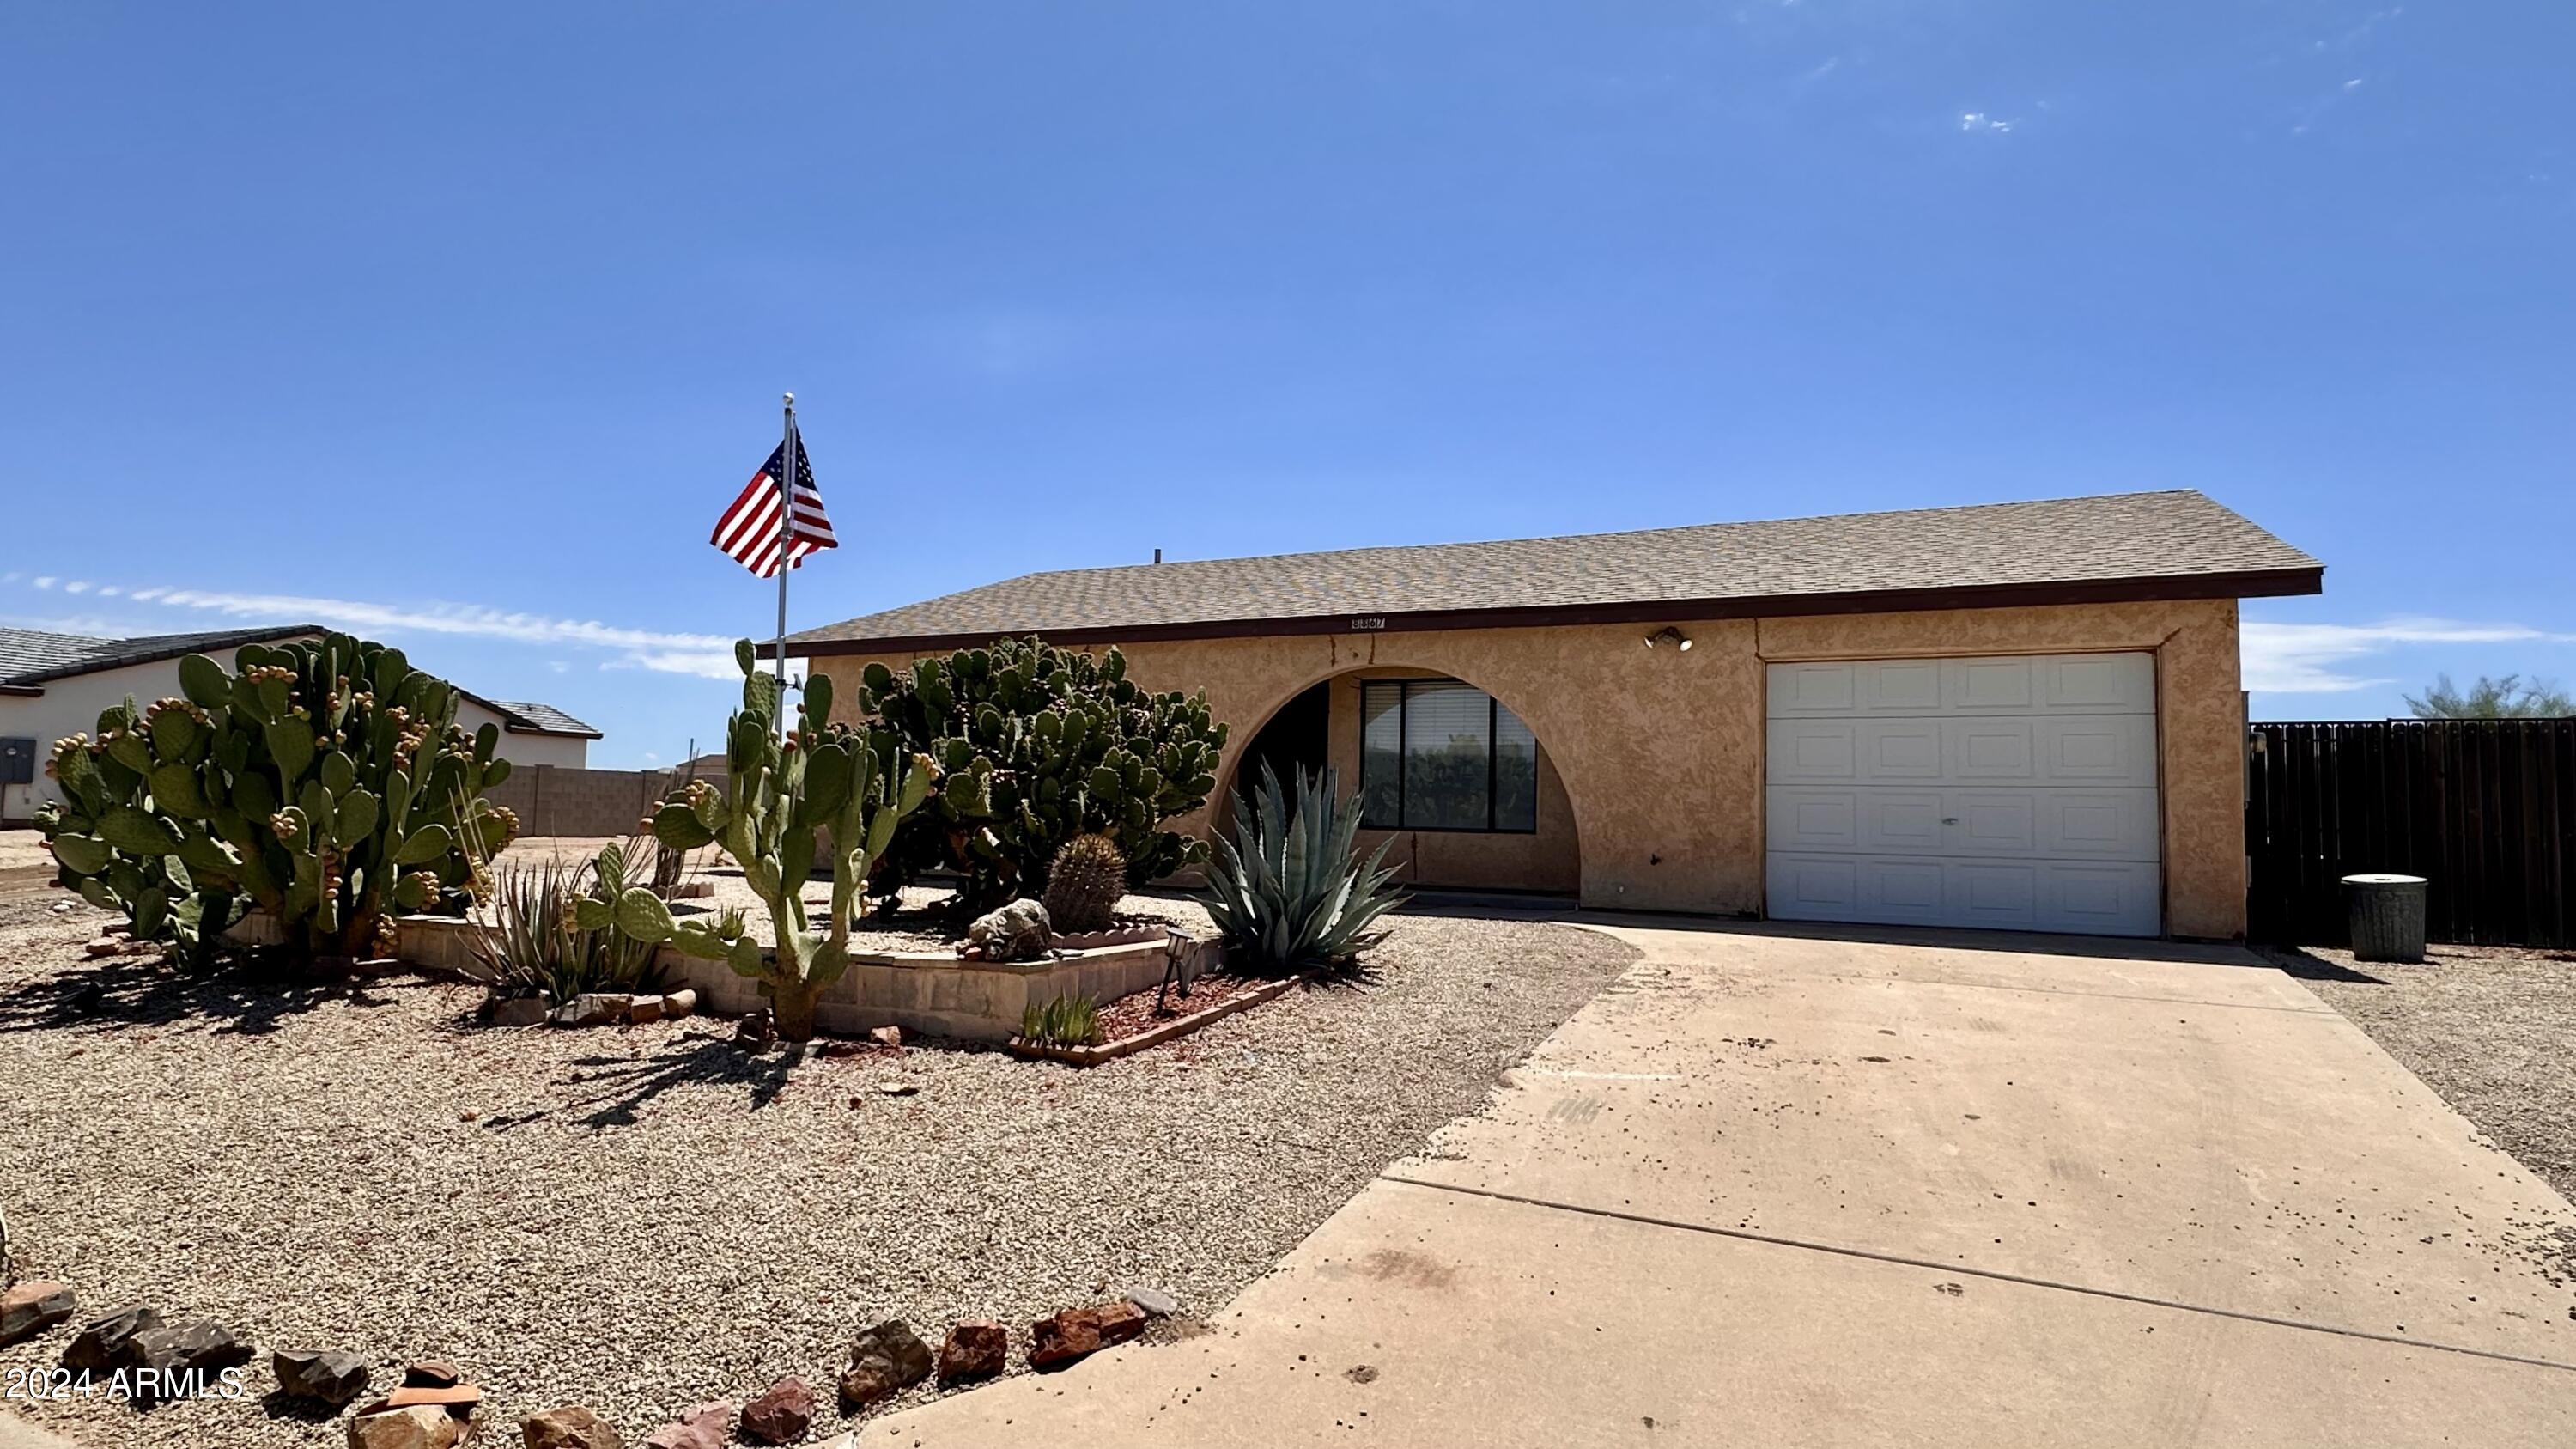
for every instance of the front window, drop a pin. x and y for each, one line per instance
(1436, 754)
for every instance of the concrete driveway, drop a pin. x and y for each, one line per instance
(1784, 1188)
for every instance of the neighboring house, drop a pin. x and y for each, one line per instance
(531, 734)
(52, 685)
(2021, 715)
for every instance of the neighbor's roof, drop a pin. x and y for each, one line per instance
(2123, 546)
(522, 717)
(29, 656)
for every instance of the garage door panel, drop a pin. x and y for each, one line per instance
(1904, 890)
(2108, 899)
(1889, 686)
(2098, 684)
(1875, 890)
(2098, 824)
(2000, 895)
(1814, 888)
(1901, 749)
(1901, 686)
(1902, 822)
(1810, 689)
(1813, 817)
(2097, 749)
(1813, 749)
(2075, 824)
(1991, 684)
(1991, 749)
(2012, 792)
(1991, 822)
(2111, 898)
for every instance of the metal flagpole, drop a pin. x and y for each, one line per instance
(786, 543)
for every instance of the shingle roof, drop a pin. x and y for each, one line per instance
(30, 656)
(2168, 544)
(25, 651)
(541, 719)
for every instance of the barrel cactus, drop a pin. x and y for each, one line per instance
(781, 796)
(1085, 884)
(1039, 745)
(324, 781)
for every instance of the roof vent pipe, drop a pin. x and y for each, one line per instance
(1158, 555)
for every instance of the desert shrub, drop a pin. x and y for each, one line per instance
(1289, 891)
(1036, 746)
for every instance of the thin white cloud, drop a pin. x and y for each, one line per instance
(77, 586)
(643, 648)
(705, 663)
(2314, 658)
(1980, 123)
(91, 625)
(2316, 111)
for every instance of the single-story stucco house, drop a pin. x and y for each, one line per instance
(2019, 715)
(53, 685)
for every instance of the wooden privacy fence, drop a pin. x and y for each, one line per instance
(2480, 808)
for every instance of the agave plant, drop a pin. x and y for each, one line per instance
(538, 943)
(1289, 891)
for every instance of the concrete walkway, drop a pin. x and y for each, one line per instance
(1776, 1187)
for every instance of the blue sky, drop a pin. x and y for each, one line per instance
(460, 324)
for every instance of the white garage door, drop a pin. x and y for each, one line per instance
(2013, 792)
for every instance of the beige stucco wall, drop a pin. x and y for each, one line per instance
(1658, 752)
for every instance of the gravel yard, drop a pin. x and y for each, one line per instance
(639, 1219)
(2493, 1029)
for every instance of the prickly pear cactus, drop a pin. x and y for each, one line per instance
(1085, 884)
(780, 797)
(325, 782)
(1039, 745)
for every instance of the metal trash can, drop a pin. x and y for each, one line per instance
(2386, 914)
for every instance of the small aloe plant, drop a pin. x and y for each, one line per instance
(1289, 891)
(1067, 1021)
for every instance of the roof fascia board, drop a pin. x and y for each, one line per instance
(2269, 583)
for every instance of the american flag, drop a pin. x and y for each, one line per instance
(749, 532)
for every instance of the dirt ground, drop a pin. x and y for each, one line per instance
(2491, 1028)
(25, 864)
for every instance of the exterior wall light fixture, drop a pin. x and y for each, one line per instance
(1669, 635)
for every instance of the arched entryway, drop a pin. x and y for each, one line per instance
(1454, 778)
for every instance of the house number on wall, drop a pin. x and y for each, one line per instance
(1368, 621)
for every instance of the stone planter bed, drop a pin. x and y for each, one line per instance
(644, 1219)
(1129, 1025)
(910, 977)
